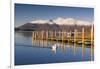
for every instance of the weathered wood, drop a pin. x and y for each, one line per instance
(65, 36)
(75, 35)
(91, 49)
(83, 35)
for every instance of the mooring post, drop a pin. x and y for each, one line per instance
(55, 37)
(70, 35)
(75, 35)
(92, 34)
(91, 49)
(59, 35)
(83, 35)
(47, 34)
(62, 35)
(32, 35)
(42, 32)
(35, 34)
(52, 35)
(83, 38)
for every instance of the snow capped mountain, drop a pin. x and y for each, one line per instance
(79, 22)
(55, 24)
(40, 21)
(62, 21)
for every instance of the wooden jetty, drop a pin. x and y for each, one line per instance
(80, 37)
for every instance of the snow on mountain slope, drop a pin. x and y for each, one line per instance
(62, 21)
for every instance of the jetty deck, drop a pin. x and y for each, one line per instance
(76, 36)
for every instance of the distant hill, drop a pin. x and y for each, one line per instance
(56, 24)
(36, 26)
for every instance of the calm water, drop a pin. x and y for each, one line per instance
(29, 51)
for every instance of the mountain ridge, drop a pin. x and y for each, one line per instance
(62, 21)
(55, 24)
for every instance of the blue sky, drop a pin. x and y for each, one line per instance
(25, 13)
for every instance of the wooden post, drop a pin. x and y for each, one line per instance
(32, 35)
(42, 33)
(39, 35)
(55, 35)
(83, 43)
(68, 36)
(75, 35)
(65, 35)
(62, 35)
(35, 34)
(83, 35)
(92, 34)
(47, 35)
(91, 48)
(59, 35)
(70, 33)
(51, 35)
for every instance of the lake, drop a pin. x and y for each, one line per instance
(31, 51)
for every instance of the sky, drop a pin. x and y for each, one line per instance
(25, 13)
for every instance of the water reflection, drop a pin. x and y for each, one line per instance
(91, 52)
(25, 34)
(82, 52)
(50, 51)
(53, 46)
(45, 44)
